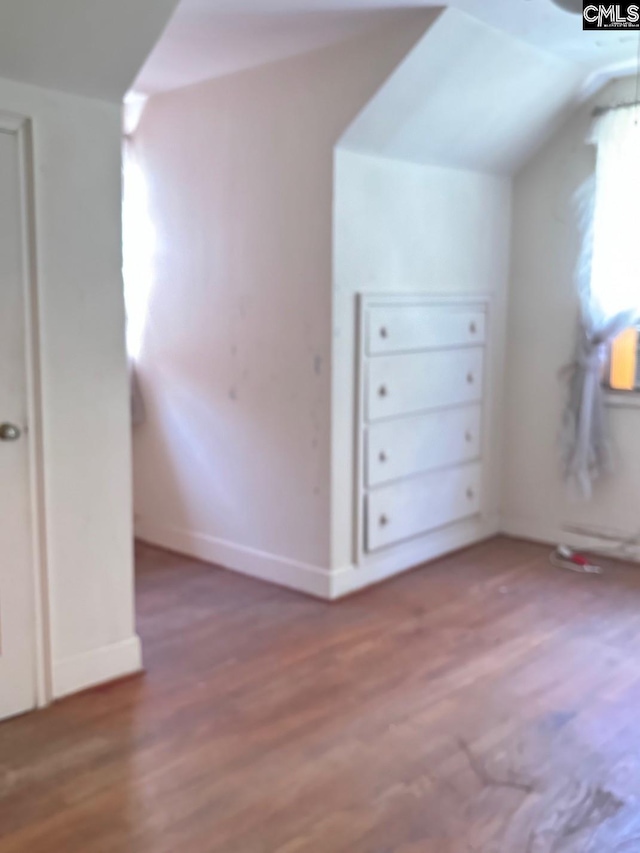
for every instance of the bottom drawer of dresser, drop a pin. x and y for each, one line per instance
(402, 510)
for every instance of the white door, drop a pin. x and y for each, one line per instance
(17, 627)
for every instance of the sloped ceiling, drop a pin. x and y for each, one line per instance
(467, 96)
(200, 45)
(209, 38)
(87, 47)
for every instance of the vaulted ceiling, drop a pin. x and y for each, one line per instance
(88, 47)
(482, 89)
(209, 38)
(97, 47)
(467, 96)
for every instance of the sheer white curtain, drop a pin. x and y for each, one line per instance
(608, 279)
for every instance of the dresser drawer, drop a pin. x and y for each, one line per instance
(406, 509)
(420, 443)
(394, 328)
(400, 384)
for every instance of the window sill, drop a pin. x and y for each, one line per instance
(622, 399)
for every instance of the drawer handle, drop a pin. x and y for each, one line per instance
(382, 391)
(473, 328)
(383, 521)
(470, 378)
(382, 456)
(470, 493)
(384, 332)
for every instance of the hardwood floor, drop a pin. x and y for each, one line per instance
(485, 704)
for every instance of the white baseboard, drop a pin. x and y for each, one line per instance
(315, 580)
(602, 541)
(98, 666)
(409, 555)
(283, 571)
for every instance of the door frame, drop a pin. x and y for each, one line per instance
(21, 127)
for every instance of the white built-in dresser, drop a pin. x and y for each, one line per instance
(422, 363)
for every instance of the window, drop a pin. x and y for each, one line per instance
(623, 369)
(138, 248)
(615, 275)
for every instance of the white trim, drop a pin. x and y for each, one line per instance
(551, 535)
(361, 435)
(21, 127)
(98, 666)
(622, 399)
(410, 555)
(12, 122)
(292, 574)
(314, 580)
(463, 298)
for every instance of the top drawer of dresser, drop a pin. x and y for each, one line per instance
(394, 328)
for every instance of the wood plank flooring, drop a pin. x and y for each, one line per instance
(487, 703)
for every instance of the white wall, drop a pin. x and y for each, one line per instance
(401, 227)
(542, 326)
(248, 362)
(234, 461)
(86, 417)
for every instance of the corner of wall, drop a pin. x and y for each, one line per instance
(220, 553)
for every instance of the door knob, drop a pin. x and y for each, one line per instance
(9, 432)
